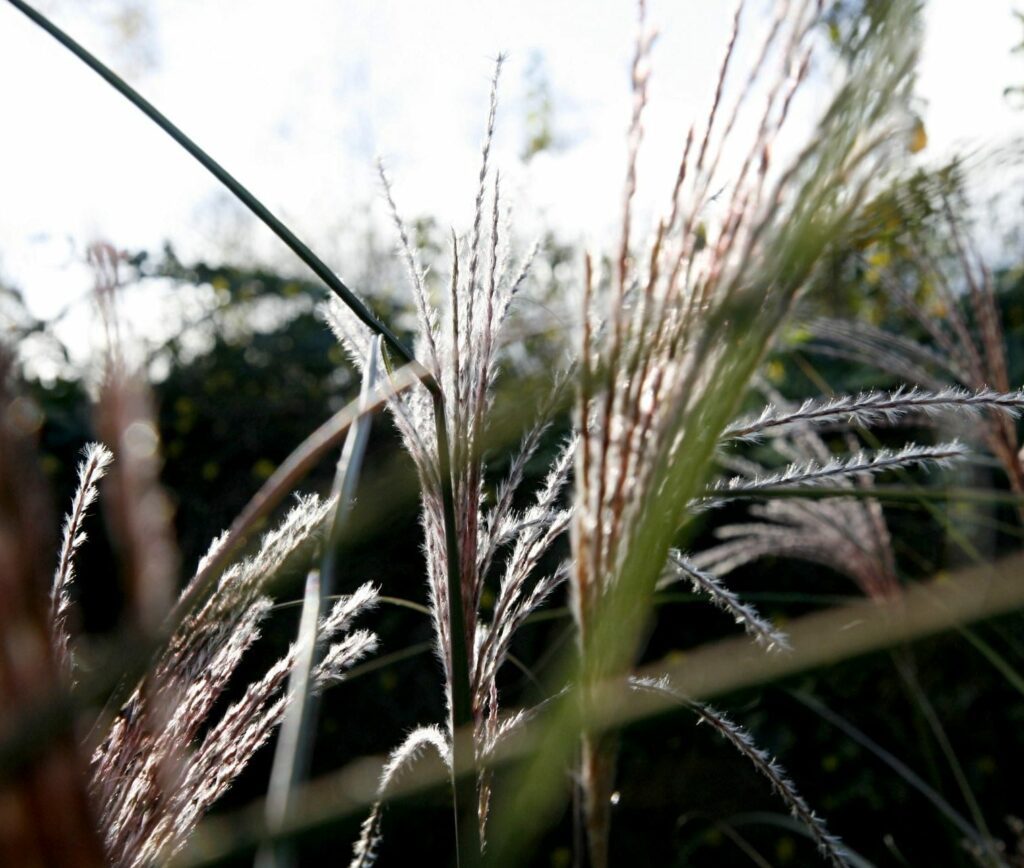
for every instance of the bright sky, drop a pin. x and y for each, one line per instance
(298, 103)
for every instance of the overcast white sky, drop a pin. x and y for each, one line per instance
(297, 100)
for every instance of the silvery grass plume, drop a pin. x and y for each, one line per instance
(459, 342)
(808, 472)
(152, 786)
(410, 751)
(96, 459)
(684, 569)
(845, 534)
(828, 845)
(873, 408)
(964, 342)
(672, 336)
(848, 535)
(161, 762)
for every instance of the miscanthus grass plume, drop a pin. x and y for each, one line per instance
(740, 739)
(845, 534)
(810, 472)
(874, 408)
(29, 670)
(459, 340)
(672, 335)
(153, 785)
(943, 286)
(160, 761)
(95, 461)
(683, 569)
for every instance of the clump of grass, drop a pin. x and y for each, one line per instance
(671, 339)
(461, 342)
(160, 762)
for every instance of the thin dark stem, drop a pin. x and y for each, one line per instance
(317, 265)
(462, 707)
(462, 697)
(462, 711)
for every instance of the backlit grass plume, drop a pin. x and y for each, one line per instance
(160, 761)
(459, 340)
(152, 785)
(95, 461)
(845, 534)
(673, 333)
(942, 285)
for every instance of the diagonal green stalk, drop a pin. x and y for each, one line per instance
(462, 709)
